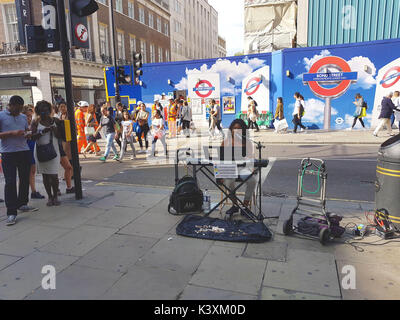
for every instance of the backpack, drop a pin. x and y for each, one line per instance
(186, 197)
(365, 105)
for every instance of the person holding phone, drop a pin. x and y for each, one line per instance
(15, 155)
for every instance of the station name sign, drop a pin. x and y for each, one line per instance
(331, 76)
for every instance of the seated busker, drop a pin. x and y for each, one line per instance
(237, 139)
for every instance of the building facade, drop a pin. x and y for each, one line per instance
(326, 22)
(194, 30)
(140, 26)
(221, 47)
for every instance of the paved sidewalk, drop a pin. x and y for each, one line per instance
(120, 243)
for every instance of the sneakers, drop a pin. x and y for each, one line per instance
(27, 208)
(11, 220)
(116, 158)
(232, 211)
(103, 159)
(69, 191)
(36, 195)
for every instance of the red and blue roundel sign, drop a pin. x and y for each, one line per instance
(253, 85)
(342, 86)
(391, 77)
(204, 89)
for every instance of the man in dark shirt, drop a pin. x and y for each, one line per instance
(108, 123)
(15, 157)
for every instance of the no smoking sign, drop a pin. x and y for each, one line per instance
(81, 33)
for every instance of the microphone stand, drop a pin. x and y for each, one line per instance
(259, 147)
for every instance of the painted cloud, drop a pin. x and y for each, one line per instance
(226, 69)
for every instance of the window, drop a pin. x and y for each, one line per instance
(143, 50)
(11, 22)
(121, 45)
(152, 53)
(118, 6)
(131, 10)
(167, 55)
(166, 28)
(103, 37)
(102, 1)
(160, 55)
(142, 18)
(159, 28)
(132, 44)
(151, 20)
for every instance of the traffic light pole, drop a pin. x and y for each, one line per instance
(117, 94)
(65, 53)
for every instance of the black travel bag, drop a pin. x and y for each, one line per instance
(186, 197)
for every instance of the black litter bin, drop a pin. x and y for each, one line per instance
(388, 180)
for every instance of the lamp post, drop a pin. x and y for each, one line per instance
(117, 93)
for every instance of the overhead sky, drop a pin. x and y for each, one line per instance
(231, 23)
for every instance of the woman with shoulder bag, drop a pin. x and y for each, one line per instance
(47, 153)
(361, 111)
(143, 121)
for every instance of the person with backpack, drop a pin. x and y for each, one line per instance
(298, 112)
(361, 110)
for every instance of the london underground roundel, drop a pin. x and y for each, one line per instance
(81, 33)
(252, 86)
(204, 88)
(332, 62)
(391, 77)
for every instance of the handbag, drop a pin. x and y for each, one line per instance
(89, 131)
(46, 152)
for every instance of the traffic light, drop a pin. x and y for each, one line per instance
(137, 67)
(122, 77)
(79, 10)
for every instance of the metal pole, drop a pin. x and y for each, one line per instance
(65, 53)
(117, 94)
(327, 114)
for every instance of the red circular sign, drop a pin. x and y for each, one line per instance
(337, 91)
(208, 93)
(395, 76)
(81, 33)
(253, 83)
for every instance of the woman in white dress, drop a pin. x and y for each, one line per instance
(158, 132)
(45, 131)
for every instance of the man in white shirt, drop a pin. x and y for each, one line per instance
(186, 114)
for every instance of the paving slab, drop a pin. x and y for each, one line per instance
(224, 268)
(79, 241)
(268, 293)
(271, 251)
(23, 223)
(30, 240)
(117, 217)
(151, 225)
(202, 293)
(6, 261)
(24, 276)
(117, 253)
(305, 271)
(70, 217)
(78, 283)
(143, 200)
(148, 283)
(376, 281)
(176, 254)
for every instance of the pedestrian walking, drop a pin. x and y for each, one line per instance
(253, 116)
(110, 128)
(16, 156)
(386, 113)
(172, 116)
(143, 121)
(396, 102)
(179, 124)
(280, 123)
(216, 118)
(90, 130)
(186, 119)
(45, 130)
(127, 135)
(80, 125)
(298, 112)
(360, 112)
(158, 132)
(29, 112)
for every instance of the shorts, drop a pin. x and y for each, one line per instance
(31, 145)
(91, 139)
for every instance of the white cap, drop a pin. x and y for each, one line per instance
(139, 103)
(82, 104)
